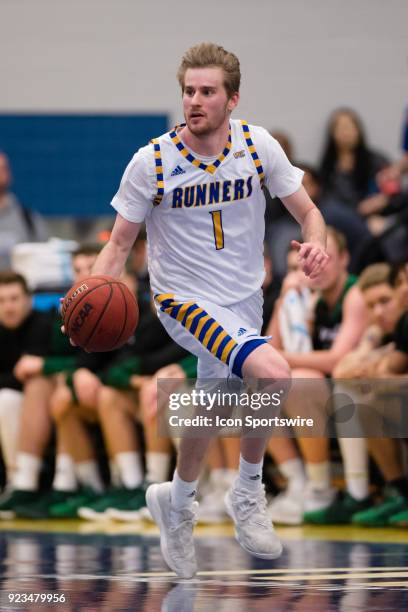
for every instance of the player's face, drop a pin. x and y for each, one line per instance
(82, 266)
(15, 305)
(206, 104)
(382, 304)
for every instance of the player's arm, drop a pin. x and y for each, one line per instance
(111, 260)
(312, 253)
(352, 327)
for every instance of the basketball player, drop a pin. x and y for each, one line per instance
(199, 190)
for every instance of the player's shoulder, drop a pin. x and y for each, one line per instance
(142, 161)
(258, 135)
(241, 125)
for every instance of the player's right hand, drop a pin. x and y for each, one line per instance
(312, 258)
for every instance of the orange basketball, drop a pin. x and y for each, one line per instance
(100, 313)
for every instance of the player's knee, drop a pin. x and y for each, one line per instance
(277, 368)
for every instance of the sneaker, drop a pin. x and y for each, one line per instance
(253, 528)
(212, 510)
(340, 511)
(400, 519)
(40, 507)
(317, 499)
(15, 497)
(286, 508)
(97, 510)
(129, 509)
(68, 508)
(176, 530)
(379, 515)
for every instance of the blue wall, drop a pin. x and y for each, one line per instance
(72, 164)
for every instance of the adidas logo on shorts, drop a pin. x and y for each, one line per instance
(177, 170)
(241, 331)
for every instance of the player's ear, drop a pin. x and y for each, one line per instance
(233, 101)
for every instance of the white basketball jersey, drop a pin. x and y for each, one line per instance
(205, 218)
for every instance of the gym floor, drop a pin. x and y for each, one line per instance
(116, 567)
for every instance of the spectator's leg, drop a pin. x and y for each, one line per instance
(35, 432)
(10, 416)
(116, 414)
(158, 448)
(74, 439)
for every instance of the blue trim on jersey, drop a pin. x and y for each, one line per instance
(245, 350)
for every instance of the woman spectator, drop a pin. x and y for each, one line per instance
(348, 167)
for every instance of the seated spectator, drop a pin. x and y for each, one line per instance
(338, 323)
(382, 353)
(348, 167)
(34, 438)
(17, 223)
(23, 403)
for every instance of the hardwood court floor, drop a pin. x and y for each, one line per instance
(114, 568)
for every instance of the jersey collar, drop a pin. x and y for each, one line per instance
(211, 168)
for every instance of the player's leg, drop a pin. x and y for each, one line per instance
(246, 500)
(223, 339)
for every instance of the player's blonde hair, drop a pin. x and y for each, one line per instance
(206, 55)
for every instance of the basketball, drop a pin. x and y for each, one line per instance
(100, 313)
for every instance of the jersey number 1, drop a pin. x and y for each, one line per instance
(218, 231)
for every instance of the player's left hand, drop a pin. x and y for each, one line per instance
(312, 258)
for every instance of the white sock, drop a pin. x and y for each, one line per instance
(157, 466)
(355, 460)
(250, 474)
(27, 472)
(182, 493)
(114, 474)
(88, 475)
(130, 469)
(64, 477)
(319, 474)
(294, 472)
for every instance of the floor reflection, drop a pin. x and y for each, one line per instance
(126, 572)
